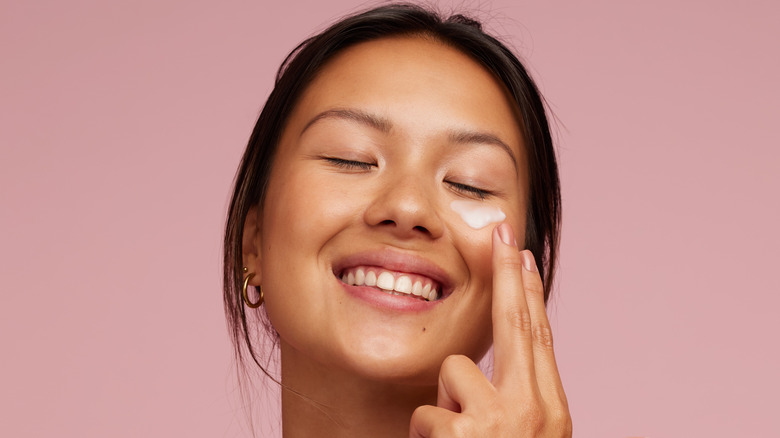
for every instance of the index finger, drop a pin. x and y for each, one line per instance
(512, 337)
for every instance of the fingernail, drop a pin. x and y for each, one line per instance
(506, 235)
(528, 261)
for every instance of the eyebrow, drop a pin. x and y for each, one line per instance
(383, 125)
(362, 117)
(467, 137)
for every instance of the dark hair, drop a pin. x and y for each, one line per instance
(543, 217)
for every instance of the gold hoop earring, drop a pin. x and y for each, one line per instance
(246, 296)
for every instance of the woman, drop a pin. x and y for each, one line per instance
(396, 168)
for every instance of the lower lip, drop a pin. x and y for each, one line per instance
(384, 300)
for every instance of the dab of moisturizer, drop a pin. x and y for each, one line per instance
(476, 214)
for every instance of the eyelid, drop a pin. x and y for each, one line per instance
(349, 164)
(469, 190)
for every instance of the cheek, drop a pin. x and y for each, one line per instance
(476, 214)
(477, 251)
(472, 231)
(301, 214)
(304, 207)
(476, 248)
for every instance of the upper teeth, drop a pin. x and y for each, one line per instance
(392, 282)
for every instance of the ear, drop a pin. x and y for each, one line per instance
(251, 245)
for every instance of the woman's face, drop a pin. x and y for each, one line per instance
(387, 136)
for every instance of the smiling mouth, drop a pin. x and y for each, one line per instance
(392, 282)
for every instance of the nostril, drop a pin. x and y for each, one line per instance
(419, 228)
(393, 214)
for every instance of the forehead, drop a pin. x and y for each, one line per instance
(422, 86)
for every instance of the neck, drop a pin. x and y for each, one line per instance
(321, 401)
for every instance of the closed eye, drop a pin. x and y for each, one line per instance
(469, 190)
(349, 164)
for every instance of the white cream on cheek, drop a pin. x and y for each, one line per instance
(476, 214)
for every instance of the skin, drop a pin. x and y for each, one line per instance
(386, 137)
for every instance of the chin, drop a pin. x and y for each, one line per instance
(396, 371)
(394, 363)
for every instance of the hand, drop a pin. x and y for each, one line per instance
(525, 397)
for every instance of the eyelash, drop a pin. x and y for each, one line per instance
(359, 165)
(349, 164)
(469, 190)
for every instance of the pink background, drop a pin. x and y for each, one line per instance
(121, 125)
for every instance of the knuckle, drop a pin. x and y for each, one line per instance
(519, 318)
(511, 263)
(564, 401)
(455, 359)
(542, 335)
(568, 428)
(496, 419)
(533, 286)
(453, 362)
(533, 417)
(460, 426)
(561, 421)
(418, 413)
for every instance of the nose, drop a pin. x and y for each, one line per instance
(406, 208)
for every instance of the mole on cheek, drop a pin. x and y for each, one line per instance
(476, 214)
